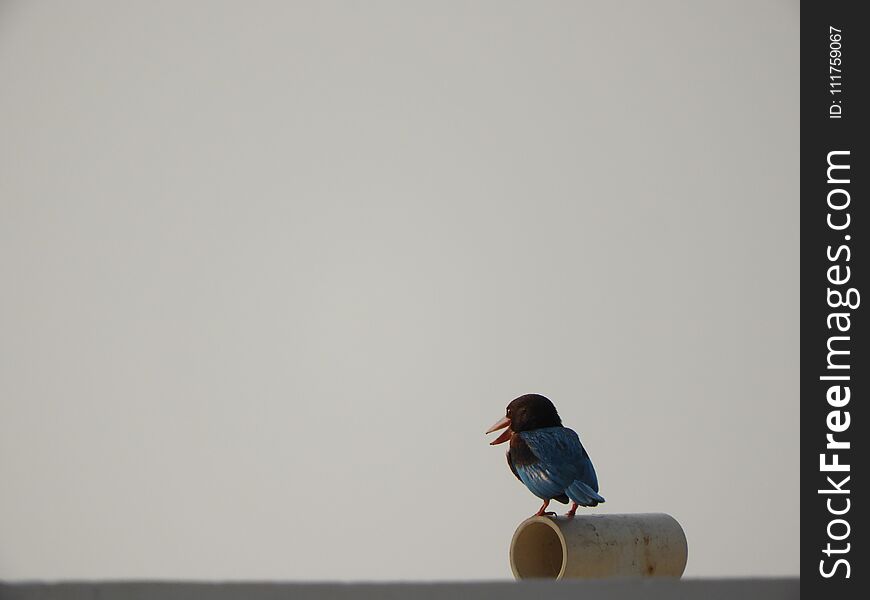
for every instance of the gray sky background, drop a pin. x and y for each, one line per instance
(270, 269)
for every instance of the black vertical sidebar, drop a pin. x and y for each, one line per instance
(835, 374)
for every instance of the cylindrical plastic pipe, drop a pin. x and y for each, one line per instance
(599, 546)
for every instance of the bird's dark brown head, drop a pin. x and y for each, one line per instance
(528, 412)
(532, 411)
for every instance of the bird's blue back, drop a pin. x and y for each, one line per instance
(562, 466)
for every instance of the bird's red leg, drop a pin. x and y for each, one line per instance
(543, 509)
(573, 510)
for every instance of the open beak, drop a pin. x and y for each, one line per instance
(506, 434)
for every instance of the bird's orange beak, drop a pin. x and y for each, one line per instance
(506, 434)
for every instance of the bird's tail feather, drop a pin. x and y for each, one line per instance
(584, 495)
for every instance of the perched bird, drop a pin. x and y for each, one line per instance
(547, 457)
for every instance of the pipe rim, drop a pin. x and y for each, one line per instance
(548, 521)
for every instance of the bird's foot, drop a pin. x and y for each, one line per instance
(543, 510)
(573, 510)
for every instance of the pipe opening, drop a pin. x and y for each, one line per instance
(538, 552)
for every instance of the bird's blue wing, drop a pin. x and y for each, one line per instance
(562, 466)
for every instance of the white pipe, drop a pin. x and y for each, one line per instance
(599, 546)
